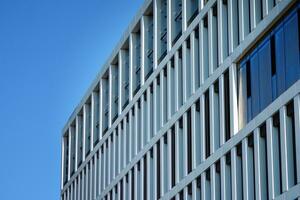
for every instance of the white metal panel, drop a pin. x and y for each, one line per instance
(143, 41)
(221, 111)
(169, 24)
(84, 133)
(92, 110)
(283, 147)
(297, 134)
(76, 142)
(194, 62)
(233, 100)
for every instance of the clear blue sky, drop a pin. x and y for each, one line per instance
(50, 52)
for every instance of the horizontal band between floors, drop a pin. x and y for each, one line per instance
(233, 58)
(292, 193)
(237, 138)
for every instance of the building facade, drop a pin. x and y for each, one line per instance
(199, 100)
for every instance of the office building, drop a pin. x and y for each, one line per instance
(199, 100)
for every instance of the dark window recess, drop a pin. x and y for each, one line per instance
(173, 168)
(228, 159)
(251, 162)
(181, 195)
(127, 119)
(207, 127)
(273, 58)
(151, 88)
(205, 22)
(216, 87)
(126, 178)
(188, 43)
(236, 23)
(215, 11)
(158, 171)
(132, 184)
(261, 10)
(250, 141)
(218, 168)
(145, 178)
(139, 103)
(133, 111)
(239, 150)
(158, 80)
(190, 189)
(180, 53)
(227, 106)
(180, 123)
(139, 166)
(121, 190)
(291, 115)
(199, 182)
(263, 132)
(276, 124)
(151, 153)
(198, 106)
(165, 72)
(145, 96)
(239, 169)
(196, 32)
(66, 154)
(80, 140)
(88, 129)
(165, 139)
(207, 174)
(189, 141)
(172, 63)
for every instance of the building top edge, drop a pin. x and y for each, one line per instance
(106, 64)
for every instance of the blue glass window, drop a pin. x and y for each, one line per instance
(270, 68)
(279, 60)
(265, 82)
(254, 70)
(291, 47)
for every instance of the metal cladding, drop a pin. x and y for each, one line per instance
(199, 100)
